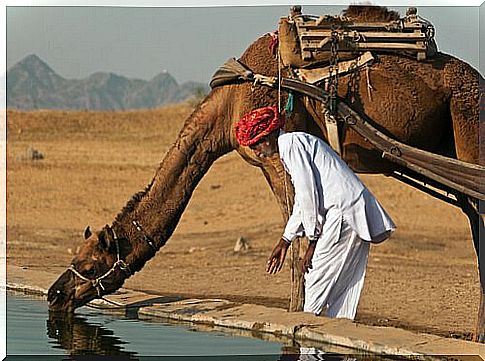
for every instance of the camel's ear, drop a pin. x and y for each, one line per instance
(106, 237)
(87, 233)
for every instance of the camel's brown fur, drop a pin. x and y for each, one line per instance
(432, 105)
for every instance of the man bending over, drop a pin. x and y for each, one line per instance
(332, 207)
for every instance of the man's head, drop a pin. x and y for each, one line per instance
(258, 130)
(267, 146)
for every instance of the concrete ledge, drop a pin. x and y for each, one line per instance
(304, 326)
(383, 340)
(258, 319)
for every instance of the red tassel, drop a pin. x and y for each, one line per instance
(273, 44)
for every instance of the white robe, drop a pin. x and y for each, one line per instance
(333, 206)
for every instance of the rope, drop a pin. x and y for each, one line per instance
(264, 80)
(369, 85)
(96, 282)
(287, 200)
(117, 306)
(290, 99)
(279, 78)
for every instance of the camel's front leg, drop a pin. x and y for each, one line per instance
(282, 188)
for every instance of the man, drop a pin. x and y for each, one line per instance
(332, 207)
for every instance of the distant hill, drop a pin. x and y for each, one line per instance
(32, 84)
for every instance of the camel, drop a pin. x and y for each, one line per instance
(432, 105)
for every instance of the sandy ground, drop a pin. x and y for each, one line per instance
(425, 278)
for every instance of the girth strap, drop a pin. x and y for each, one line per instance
(333, 135)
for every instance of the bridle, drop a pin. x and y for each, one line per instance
(97, 282)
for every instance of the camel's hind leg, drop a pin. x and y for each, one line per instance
(466, 86)
(480, 330)
(478, 232)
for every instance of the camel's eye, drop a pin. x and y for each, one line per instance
(90, 273)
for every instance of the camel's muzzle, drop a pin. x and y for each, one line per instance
(61, 294)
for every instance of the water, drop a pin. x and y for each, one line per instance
(32, 331)
(35, 334)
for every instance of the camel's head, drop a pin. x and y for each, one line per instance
(96, 270)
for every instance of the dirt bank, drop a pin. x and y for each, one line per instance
(424, 278)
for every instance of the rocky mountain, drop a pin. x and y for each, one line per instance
(32, 84)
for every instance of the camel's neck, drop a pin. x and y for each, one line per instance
(202, 140)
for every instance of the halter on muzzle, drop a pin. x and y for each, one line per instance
(96, 283)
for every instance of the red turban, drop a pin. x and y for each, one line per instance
(257, 124)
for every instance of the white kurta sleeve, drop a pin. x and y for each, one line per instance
(294, 227)
(300, 166)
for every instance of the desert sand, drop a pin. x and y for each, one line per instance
(424, 278)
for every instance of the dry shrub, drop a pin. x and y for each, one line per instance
(30, 154)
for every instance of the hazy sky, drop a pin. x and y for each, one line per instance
(140, 42)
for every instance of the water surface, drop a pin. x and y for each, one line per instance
(31, 330)
(34, 334)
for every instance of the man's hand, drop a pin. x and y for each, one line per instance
(306, 265)
(277, 258)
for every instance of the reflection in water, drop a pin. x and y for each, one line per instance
(300, 353)
(77, 336)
